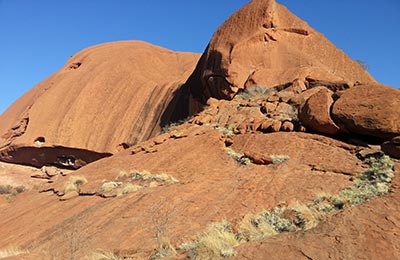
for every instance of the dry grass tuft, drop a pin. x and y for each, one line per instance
(110, 186)
(74, 183)
(129, 188)
(279, 159)
(255, 227)
(11, 251)
(104, 255)
(216, 243)
(307, 217)
(148, 176)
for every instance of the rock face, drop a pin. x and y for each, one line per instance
(262, 150)
(369, 110)
(106, 95)
(264, 44)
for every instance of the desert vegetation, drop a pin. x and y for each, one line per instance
(11, 251)
(219, 240)
(132, 181)
(104, 255)
(239, 157)
(74, 183)
(10, 191)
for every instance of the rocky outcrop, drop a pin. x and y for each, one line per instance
(370, 109)
(105, 97)
(264, 44)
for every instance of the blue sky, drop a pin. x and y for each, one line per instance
(38, 36)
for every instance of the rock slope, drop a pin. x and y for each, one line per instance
(105, 97)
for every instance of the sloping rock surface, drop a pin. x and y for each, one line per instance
(105, 95)
(369, 231)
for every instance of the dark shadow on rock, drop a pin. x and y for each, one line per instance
(62, 157)
(178, 108)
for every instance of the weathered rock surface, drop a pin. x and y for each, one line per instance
(315, 113)
(369, 110)
(212, 186)
(264, 44)
(106, 95)
(369, 231)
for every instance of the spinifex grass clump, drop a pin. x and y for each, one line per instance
(371, 183)
(220, 239)
(216, 242)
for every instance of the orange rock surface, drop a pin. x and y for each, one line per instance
(105, 95)
(265, 44)
(274, 87)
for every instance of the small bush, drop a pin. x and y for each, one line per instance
(164, 249)
(255, 227)
(228, 131)
(74, 183)
(5, 189)
(216, 243)
(148, 176)
(256, 90)
(279, 159)
(105, 255)
(20, 189)
(129, 188)
(381, 170)
(110, 186)
(277, 222)
(306, 217)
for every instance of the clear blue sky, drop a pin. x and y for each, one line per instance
(38, 36)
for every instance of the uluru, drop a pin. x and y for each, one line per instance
(271, 144)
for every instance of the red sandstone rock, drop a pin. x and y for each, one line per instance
(287, 126)
(118, 94)
(265, 44)
(315, 113)
(369, 110)
(258, 158)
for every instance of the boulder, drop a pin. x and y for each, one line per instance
(392, 148)
(315, 113)
(287, 126)
(258, 158)
(370, 109)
